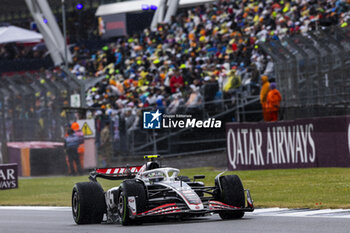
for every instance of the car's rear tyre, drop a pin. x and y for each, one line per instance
(88, 203)
(232, 193)
(131, 188)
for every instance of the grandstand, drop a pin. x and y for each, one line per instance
(186, 66)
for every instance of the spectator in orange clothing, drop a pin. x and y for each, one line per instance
(273, 102)
(263, 96)
(81, 150)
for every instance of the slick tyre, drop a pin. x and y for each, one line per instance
(131, 188)
(88, 203)
(232, 193)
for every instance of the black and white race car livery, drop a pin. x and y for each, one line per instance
(153, 191)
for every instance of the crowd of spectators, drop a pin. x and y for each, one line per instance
(189, 66)
(13, 51)
(204, 54)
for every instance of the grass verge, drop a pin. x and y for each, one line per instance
(292, 188)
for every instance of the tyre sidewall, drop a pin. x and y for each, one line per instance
(89, 200)
(231, 193)
(131, 188)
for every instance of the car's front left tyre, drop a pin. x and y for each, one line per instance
(231, 193)
(131, 188)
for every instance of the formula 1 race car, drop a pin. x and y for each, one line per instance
(151, 191)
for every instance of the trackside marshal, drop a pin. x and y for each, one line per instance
(8, 176)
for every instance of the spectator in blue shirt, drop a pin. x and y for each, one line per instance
(71, 144)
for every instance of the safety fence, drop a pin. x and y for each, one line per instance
(31, 106)
(38, 107)
(131, 138)
(312, 72)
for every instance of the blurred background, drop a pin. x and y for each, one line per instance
(102, 63)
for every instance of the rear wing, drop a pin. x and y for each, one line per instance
(115, 173)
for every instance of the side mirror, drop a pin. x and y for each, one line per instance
(197, 177)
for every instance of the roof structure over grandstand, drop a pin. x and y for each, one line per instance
(18, 9)
(17, 34)
(136, 6)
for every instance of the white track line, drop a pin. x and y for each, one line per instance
(282, 212)
(274, 212)
(52, 208)
(267, 210)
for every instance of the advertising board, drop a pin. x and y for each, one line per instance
(314, 142)
(8, 176)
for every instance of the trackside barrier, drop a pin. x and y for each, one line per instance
(312, 72)
(304, 143)
(37, 158)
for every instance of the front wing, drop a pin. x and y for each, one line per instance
(179, 208)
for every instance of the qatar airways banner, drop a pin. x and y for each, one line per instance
(8, 176)
(314, 142)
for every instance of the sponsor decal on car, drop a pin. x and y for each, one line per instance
(132, 205)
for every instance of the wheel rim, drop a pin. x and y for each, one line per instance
(121, 205)
(75, 204)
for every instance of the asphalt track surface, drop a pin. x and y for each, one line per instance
(57, 220)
